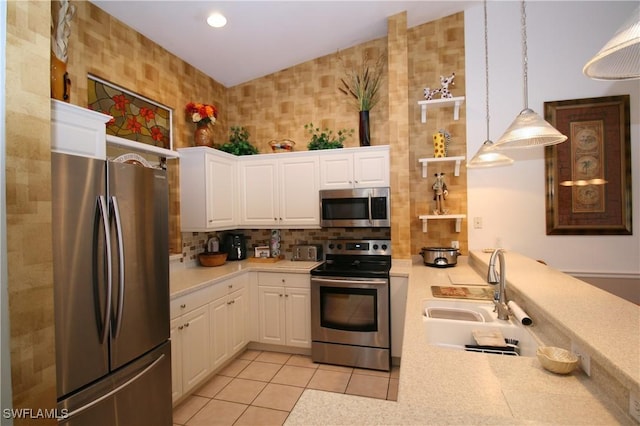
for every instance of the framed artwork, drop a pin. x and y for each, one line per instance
(135, 117)
(588, 177)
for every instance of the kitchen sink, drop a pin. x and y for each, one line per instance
(459, 310)
(451, 324)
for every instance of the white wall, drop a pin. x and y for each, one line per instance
(561, 37)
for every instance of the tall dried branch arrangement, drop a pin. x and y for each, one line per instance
(363, 82)
(61, 30)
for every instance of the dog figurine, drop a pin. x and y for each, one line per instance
(444, 91)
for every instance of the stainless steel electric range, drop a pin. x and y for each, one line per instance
(350, 306)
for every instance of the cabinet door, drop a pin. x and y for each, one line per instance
(371, 169)
(299, 185)
(176, 358)
(258, 192)
(336, 171)
(219, 349)
(220, 192)
(237, 317)
(298, 317)
(195, 344)
(271, 306)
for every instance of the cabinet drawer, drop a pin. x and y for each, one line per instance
(286, 280)
(190, 301)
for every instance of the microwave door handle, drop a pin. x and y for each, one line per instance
(370, 214)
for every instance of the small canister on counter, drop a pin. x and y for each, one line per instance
(275, 243)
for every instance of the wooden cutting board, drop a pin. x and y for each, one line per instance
(266, 259)
(474, 293)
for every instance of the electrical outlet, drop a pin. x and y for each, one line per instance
(477, 222)
(585, 359)
(455, 244)
(634, 407)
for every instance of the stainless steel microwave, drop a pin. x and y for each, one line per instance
(355, 208)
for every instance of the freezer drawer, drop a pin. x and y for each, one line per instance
(137, 394)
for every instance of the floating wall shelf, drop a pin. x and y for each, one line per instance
(426, 161)
(138, 146)
(438, 103)
(458, 218)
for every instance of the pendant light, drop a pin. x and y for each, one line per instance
(619, 59)
(485, 157)
(528, 129)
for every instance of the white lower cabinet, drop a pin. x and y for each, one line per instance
(228, 321)
(189, 350)
(285, 309)
(208, 327)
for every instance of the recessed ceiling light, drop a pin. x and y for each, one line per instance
(217, 20)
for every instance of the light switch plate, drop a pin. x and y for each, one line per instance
(585, 359)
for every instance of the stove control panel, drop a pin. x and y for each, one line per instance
(359, 247)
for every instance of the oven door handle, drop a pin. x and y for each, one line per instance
(342, 281)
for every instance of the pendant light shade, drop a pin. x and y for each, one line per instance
(528, 129)
(619, 59)
(485, 157)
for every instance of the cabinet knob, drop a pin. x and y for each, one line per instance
(286, 295)
(186, 325)
(230, 285)
(210, 220)
(280, 295)
(183, 306)
(181, 327)
(283, 280)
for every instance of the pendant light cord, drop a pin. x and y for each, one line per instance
(486, 65)
(524, 55)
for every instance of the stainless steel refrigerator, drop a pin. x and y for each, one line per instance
(111, 286)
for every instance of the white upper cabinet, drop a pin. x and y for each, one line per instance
(279, 190)
(78, 131)
(355, 167)
(207, 189)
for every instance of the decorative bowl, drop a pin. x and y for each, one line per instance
(212, 258)
(283, 145)
(557, 360)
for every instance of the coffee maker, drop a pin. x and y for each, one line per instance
(235, 245)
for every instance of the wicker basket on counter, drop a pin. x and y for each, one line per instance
(557, 360)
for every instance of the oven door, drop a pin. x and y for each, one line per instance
(351, 311)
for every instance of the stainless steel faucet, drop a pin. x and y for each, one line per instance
(493, 277)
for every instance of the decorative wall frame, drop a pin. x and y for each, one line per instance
(588, 178)
(135, 117)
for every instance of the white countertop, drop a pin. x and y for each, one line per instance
(443, 386)
(185, 279)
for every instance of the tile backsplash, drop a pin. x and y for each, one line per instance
(194, 243)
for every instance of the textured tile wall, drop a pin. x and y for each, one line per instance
(436, 48)
(28, 205)
(103, 46)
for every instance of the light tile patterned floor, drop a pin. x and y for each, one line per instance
(261, 388)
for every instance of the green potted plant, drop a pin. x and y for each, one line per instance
(326, 139)
(239, 142)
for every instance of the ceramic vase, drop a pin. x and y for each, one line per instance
(60, 82)
(365, 136)
(203, 135)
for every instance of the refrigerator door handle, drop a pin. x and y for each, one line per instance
(121, 262)
(102, 207)
(114, 391)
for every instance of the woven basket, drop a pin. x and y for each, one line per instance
(212, 259)
(557, 360)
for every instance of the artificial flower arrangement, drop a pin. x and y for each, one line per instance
(202, 113)
(363, 82)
